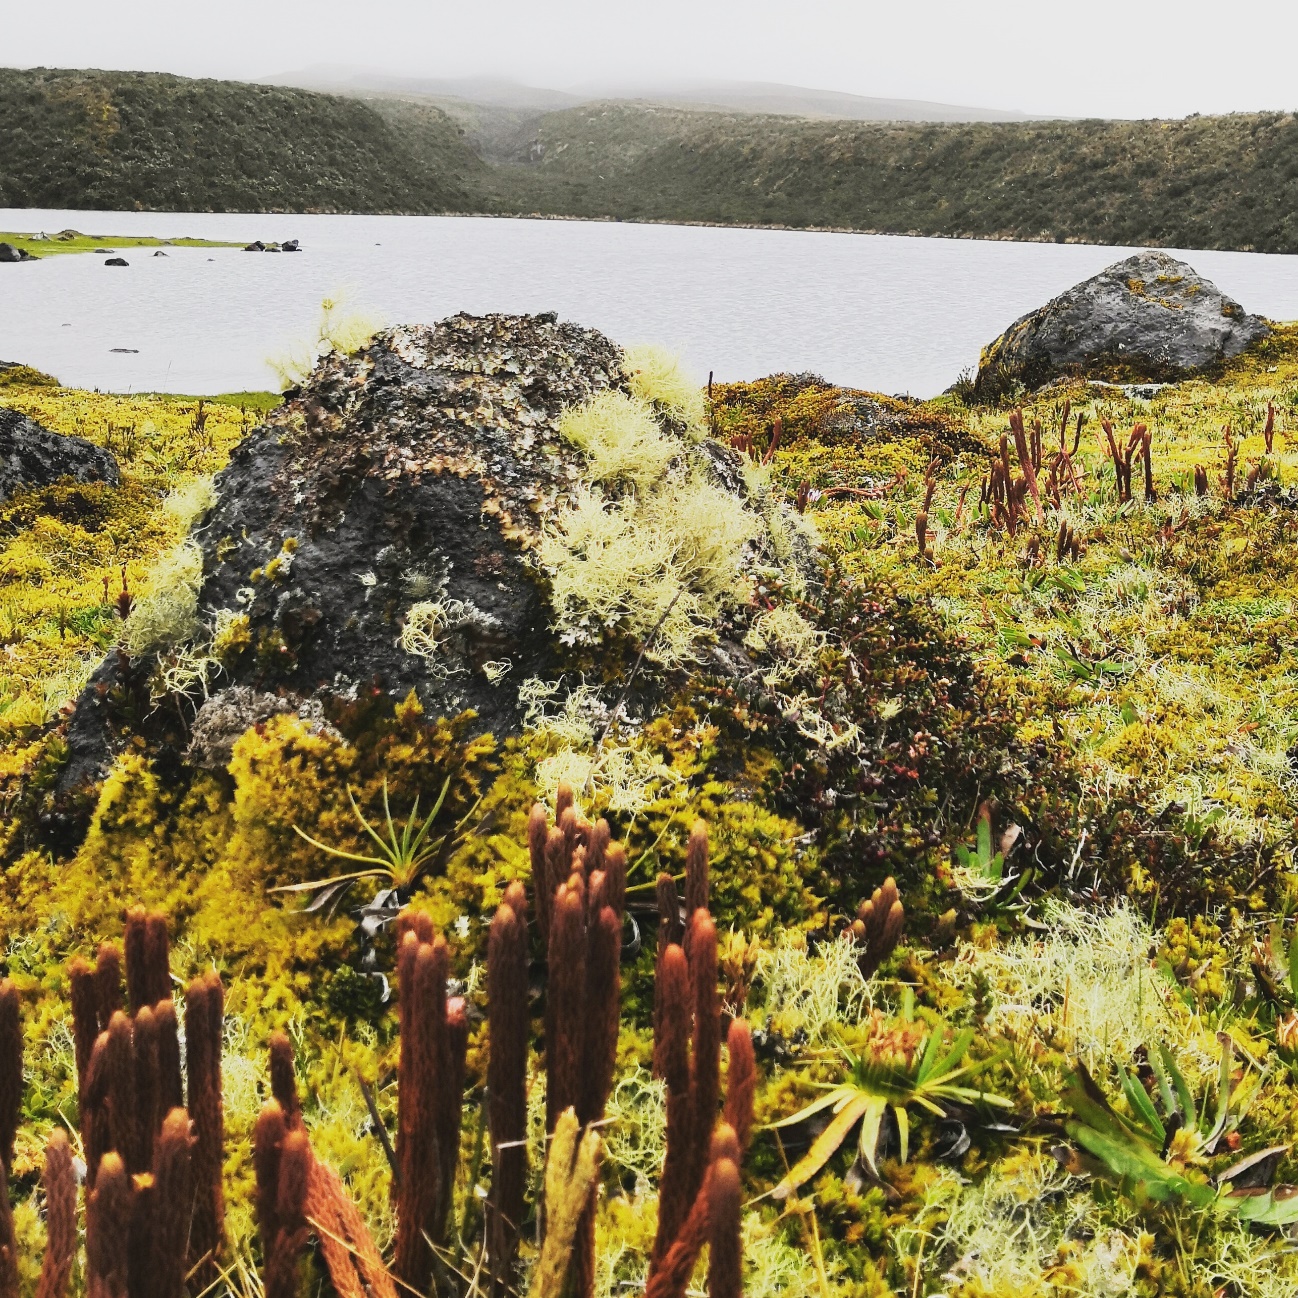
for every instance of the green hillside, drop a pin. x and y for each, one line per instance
(113, 140)
(149, 140)
(1202, 182)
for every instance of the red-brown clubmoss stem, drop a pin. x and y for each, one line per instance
(204, 1022)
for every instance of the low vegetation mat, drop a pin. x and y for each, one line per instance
(904, 907)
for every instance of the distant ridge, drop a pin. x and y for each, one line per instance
(493, 92)
(735, 96)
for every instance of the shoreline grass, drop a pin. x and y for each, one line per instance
(73, 241)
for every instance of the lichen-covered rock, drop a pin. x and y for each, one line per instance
(227, 715)
(32, 456)
(373, 533)
(1149, 318)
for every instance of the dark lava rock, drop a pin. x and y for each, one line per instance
(9, 253)
(398, 489)
(32, 456)
(1150, 318)
(117, 261)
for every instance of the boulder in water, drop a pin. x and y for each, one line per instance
(1149, 318)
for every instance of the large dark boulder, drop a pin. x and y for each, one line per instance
(32, 456)
(417, 474)
(1149, 318)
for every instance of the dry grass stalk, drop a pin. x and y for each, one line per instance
(354, 1261)
(434, 1036)
(204, 1022)
(571, 1170)
(1026, 462)
(11, 1070)
(60, 1217)
(725, 1251)
(687, 1049)
(1232, 457)
(108, 1229)
(584, 877)
(173, 1193)
(283, 1078)
(267, 1142)
(292, 1169)
(11, 1094)
(669, 1276)
(148, 971)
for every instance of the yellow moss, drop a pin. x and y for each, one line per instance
(65, 547)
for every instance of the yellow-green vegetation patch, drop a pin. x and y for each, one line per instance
(1055, 1090)
(71, 241)
(1162, 652)
(67, 550)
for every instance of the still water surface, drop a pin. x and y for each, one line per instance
(887, 313)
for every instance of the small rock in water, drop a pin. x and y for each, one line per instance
(117, 261)
(290, 245)
(159, 253)
(9, 253)
(255, 246)
(125, 351)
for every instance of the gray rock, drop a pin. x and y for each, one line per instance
(9, 253)
(1149, 318)
(229, 714)
(32, 456)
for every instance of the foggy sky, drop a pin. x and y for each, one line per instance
(1110, 58)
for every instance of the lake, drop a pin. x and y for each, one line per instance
(887, 313)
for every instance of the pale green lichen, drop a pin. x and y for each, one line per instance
(657, 375)
(621, 439)
(167, 614)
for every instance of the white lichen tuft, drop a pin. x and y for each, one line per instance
(167, 614)
(811, 993)
(672, 561)
(427, 623)
(621, 438)
(788, 641)
(657, 375)
(338, 329)
(624, 773)
(189, 502)
(1089, 983)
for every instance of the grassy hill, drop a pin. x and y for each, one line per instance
(1205, 182)
(147, 140)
